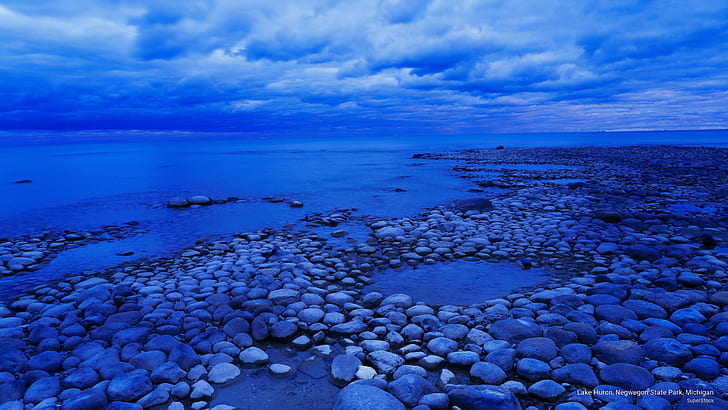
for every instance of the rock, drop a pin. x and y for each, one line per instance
(644, 309)
(627, 376)
(148, 360)
(365, 373)
(435, 401)
(168, 372)
(514, 330)
(283, 296)
(81, 378)
(441, 346)
(42, 389)
(280, 370)
(360, 396)
(177, 202)
(253, 356)
(667, 350)
(708, 241)
(311, 315)
(463, 359)
(12, 360)
(614, 313)
(184, 356)
(607, 247)
(223, 372)
(547, 390)
(488, 373)
(576, 353)
(384, 361)
(651, 402)
(118, 405)
(410, 388)
(640, 252)
(156, 397)
(409, 369)
(540, 348)
(283, 331)
(483, 397)
(48, 361)
(687, 315)
(131, 335)
(199, 200)
(349, 328)
(343, 369)
(91, 399)
(11, 390)
(388, 232)
(201, 389)
(295, 204)
(703, 367)
(608, 216)
(129, 387)
(611, 394)
(618, 351)
(503, 358)
(578, 373)
(533, 369)
(399, 300)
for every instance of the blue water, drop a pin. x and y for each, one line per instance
(89, 180)
(456, 283)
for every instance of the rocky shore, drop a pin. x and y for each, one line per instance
(30, 252)
(635, 318)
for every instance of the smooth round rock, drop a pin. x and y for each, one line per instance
(547, 390)
(129, 387)
(483, 397)
(222, 373)
(667, 350)
(627, 376)
(488, 373)
(360, 396)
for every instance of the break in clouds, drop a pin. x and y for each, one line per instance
(391, 66)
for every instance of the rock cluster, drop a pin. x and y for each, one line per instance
(28, 253)
(638, 304)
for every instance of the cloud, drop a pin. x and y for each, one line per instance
(421, 66)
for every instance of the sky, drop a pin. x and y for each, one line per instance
(411, 67)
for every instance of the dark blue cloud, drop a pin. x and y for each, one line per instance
(388, 65)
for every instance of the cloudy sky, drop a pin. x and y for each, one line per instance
(366, 66)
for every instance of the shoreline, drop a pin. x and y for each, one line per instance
(639, 287)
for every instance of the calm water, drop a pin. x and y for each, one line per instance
(86, 185)
(457, 283)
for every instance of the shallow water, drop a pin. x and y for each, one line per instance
(533, 167)
(258, 390)
(87, 186)
(457, 283)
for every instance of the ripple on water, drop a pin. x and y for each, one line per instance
(457, 283)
